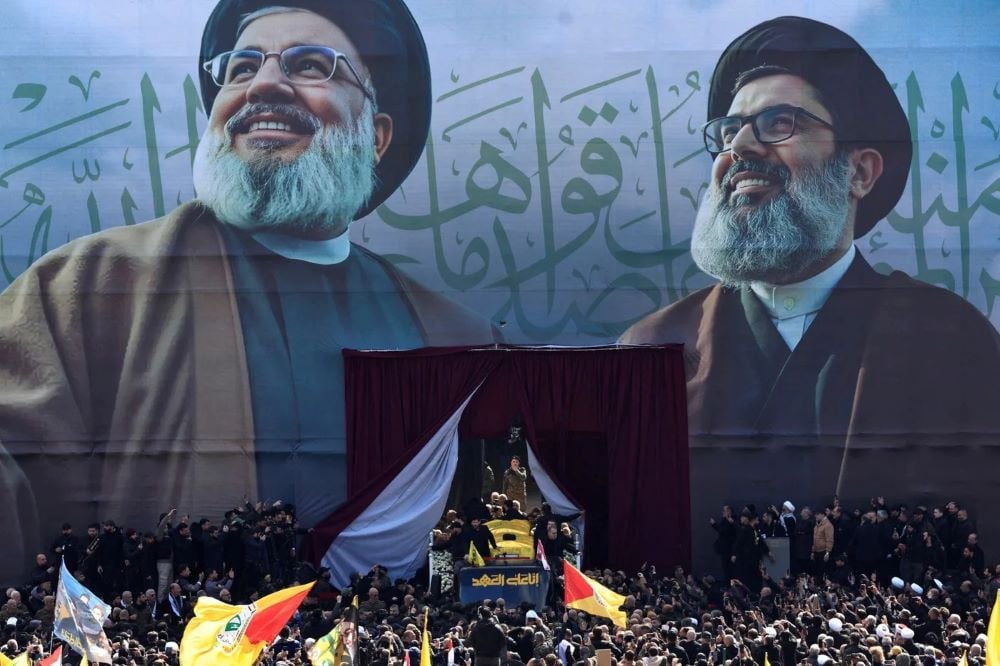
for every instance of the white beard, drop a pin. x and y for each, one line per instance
(315, 195)
(777, 240)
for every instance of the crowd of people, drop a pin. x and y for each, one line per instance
(923, 595)
(879, 541)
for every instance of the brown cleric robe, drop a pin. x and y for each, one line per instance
(124, 386)
(893, 390)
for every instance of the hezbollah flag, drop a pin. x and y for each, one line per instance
(475, 559)
(223, 634)
(425, 642)
(588, 595)
(329, 650)
(19, 660)
(324, 650)
(993, 636)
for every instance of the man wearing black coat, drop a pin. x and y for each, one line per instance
(726, 529)
(212, 551)
(868, 545)
(183, 547)
(481, 536)
(147, 561)
(132, 554)
(487, 639)
(803, 542)
(747, 551)
(68, 547)
(110, 558)
(547, 515)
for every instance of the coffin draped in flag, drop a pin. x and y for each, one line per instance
(586, 594)
(79, 618)
(220, 633)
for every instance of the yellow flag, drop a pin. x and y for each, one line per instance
(964, 661)
(21, 660)
(324, 650)
(475, 559)
(236, 635)
(767, 662)
(993, 636)
(330, 649)
(425, 641)
(215, 634)
(5, 660)
(586, 594)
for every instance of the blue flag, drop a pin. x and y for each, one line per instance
(79, 618)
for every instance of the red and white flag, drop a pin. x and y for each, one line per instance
(540, 556)
(54, 659)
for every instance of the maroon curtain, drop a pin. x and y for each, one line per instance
(395, 402)
(608, 424)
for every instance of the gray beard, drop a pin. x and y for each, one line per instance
(316, 195)
(780, 239)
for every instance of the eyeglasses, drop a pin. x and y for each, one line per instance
(303, 65)
(771, 125)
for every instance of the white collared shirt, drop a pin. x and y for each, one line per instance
(793, 307)
(326, 252)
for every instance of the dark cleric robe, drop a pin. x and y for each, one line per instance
(125, 378)
(893, 390)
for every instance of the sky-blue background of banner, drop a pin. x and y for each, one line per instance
(102, 120)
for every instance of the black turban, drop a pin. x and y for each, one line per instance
(854, 89)
(393, 50)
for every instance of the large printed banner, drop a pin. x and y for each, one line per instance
(555, 200)
(515, 585)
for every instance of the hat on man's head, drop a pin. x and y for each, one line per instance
(865, 109)
(392, 48)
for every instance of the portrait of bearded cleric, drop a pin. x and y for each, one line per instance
(196, 359)
(809, 374)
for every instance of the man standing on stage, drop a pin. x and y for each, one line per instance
(515, 483)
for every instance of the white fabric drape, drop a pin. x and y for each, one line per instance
(393, 530)
(550, 493)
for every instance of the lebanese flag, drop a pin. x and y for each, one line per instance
(540, 556)
(586, 594)
(54, 659)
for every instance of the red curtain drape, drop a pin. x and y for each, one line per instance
(620, 408)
